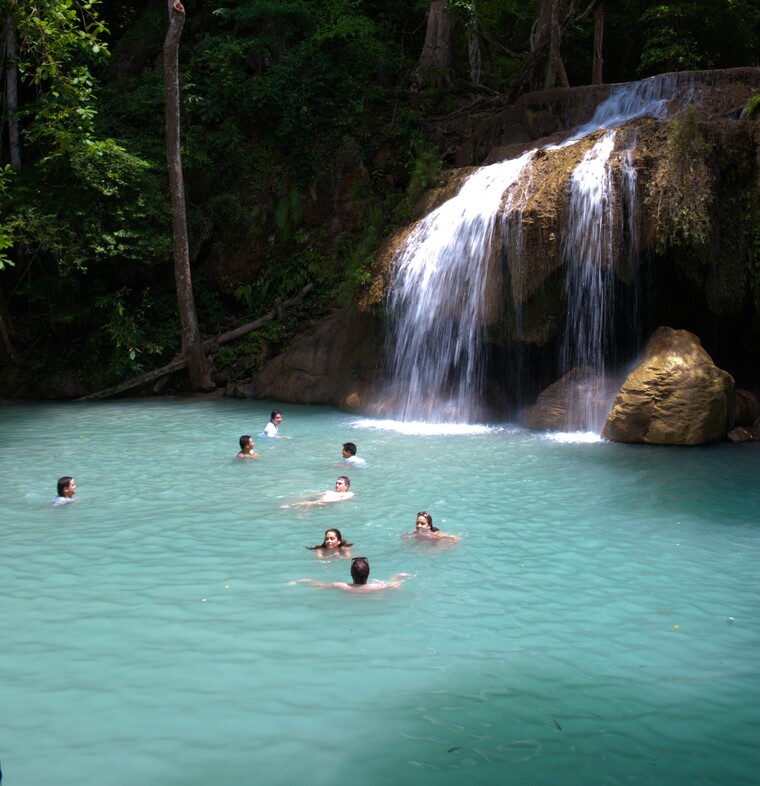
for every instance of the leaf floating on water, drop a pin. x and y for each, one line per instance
(556, 723)
(455, 748)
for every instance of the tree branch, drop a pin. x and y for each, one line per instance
(181, 361)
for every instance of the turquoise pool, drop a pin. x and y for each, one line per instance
(598, 622)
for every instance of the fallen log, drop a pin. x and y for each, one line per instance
(180, 361)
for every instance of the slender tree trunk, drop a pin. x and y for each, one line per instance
(5, 332)
(198, 365)
(473, 44)
(553, 55)
(435, 60)
(597, 68)
(10, 66)
(11, 91)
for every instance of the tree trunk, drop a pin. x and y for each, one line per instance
(11, 91)
(433, 67)
(596, 70)
(473, 45)
(198, 365)
(553, 54)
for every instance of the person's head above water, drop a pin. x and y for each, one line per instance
(276, 417)
(342, 483)
(246, 441)
(349, 449)
(424, 522)
(359, 570)
(333, 540)
(66, 487)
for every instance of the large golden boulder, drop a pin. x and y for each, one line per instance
(676, 395)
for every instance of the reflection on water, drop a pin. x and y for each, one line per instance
(597, 622)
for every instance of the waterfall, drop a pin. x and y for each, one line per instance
(437, 301)
(440, 275)
(589, 279)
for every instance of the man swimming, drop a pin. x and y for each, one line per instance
(340, 494)
(66, 488)
(360, 576)
(246, 448)
(272, 428)
(349, 455)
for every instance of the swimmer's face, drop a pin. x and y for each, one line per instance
(346, 454)
(70, 490)
(250, 443)
(422, 525)
(277, 419)
(340, 485)
(331, 540)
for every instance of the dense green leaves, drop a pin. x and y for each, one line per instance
(281, 100)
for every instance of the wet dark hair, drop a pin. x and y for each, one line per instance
(348, 482)
(63, 484)
(425, 515)
(323, 545)
(275, 413)
(359, 570)
(349, 447)
(244, 441)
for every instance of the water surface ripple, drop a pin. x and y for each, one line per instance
(597, 623)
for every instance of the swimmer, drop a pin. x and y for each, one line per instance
(246, 448)
(424, 529)
(66, 489)
(272, 428)
(360, 576)
(340, 494)
(333, 546)
(349, 455)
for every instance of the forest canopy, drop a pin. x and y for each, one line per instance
(279, 97)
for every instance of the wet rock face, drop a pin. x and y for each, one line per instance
(676, 395)
(578, 401)
(333, 363)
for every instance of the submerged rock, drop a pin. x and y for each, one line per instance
(676, 395)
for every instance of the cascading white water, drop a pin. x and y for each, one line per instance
(437, 298)
(602, 231)
(589, 279)
(439, 275)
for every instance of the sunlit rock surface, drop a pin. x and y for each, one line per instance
(676, 395)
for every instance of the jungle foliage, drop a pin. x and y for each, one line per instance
(287, 106)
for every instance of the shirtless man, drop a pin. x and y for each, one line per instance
(66, 489)
(246, 448)
(360, 576)
(340, 494)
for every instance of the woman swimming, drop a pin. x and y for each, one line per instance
(424, 528)
(333, 545)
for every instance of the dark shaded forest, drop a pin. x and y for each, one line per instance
(309, 131)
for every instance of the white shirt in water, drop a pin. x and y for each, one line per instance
(270, 430)
(355, 460)
(62, 501)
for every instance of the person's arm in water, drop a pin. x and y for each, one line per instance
(444, 536)
(393, 583)
(319, 584)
